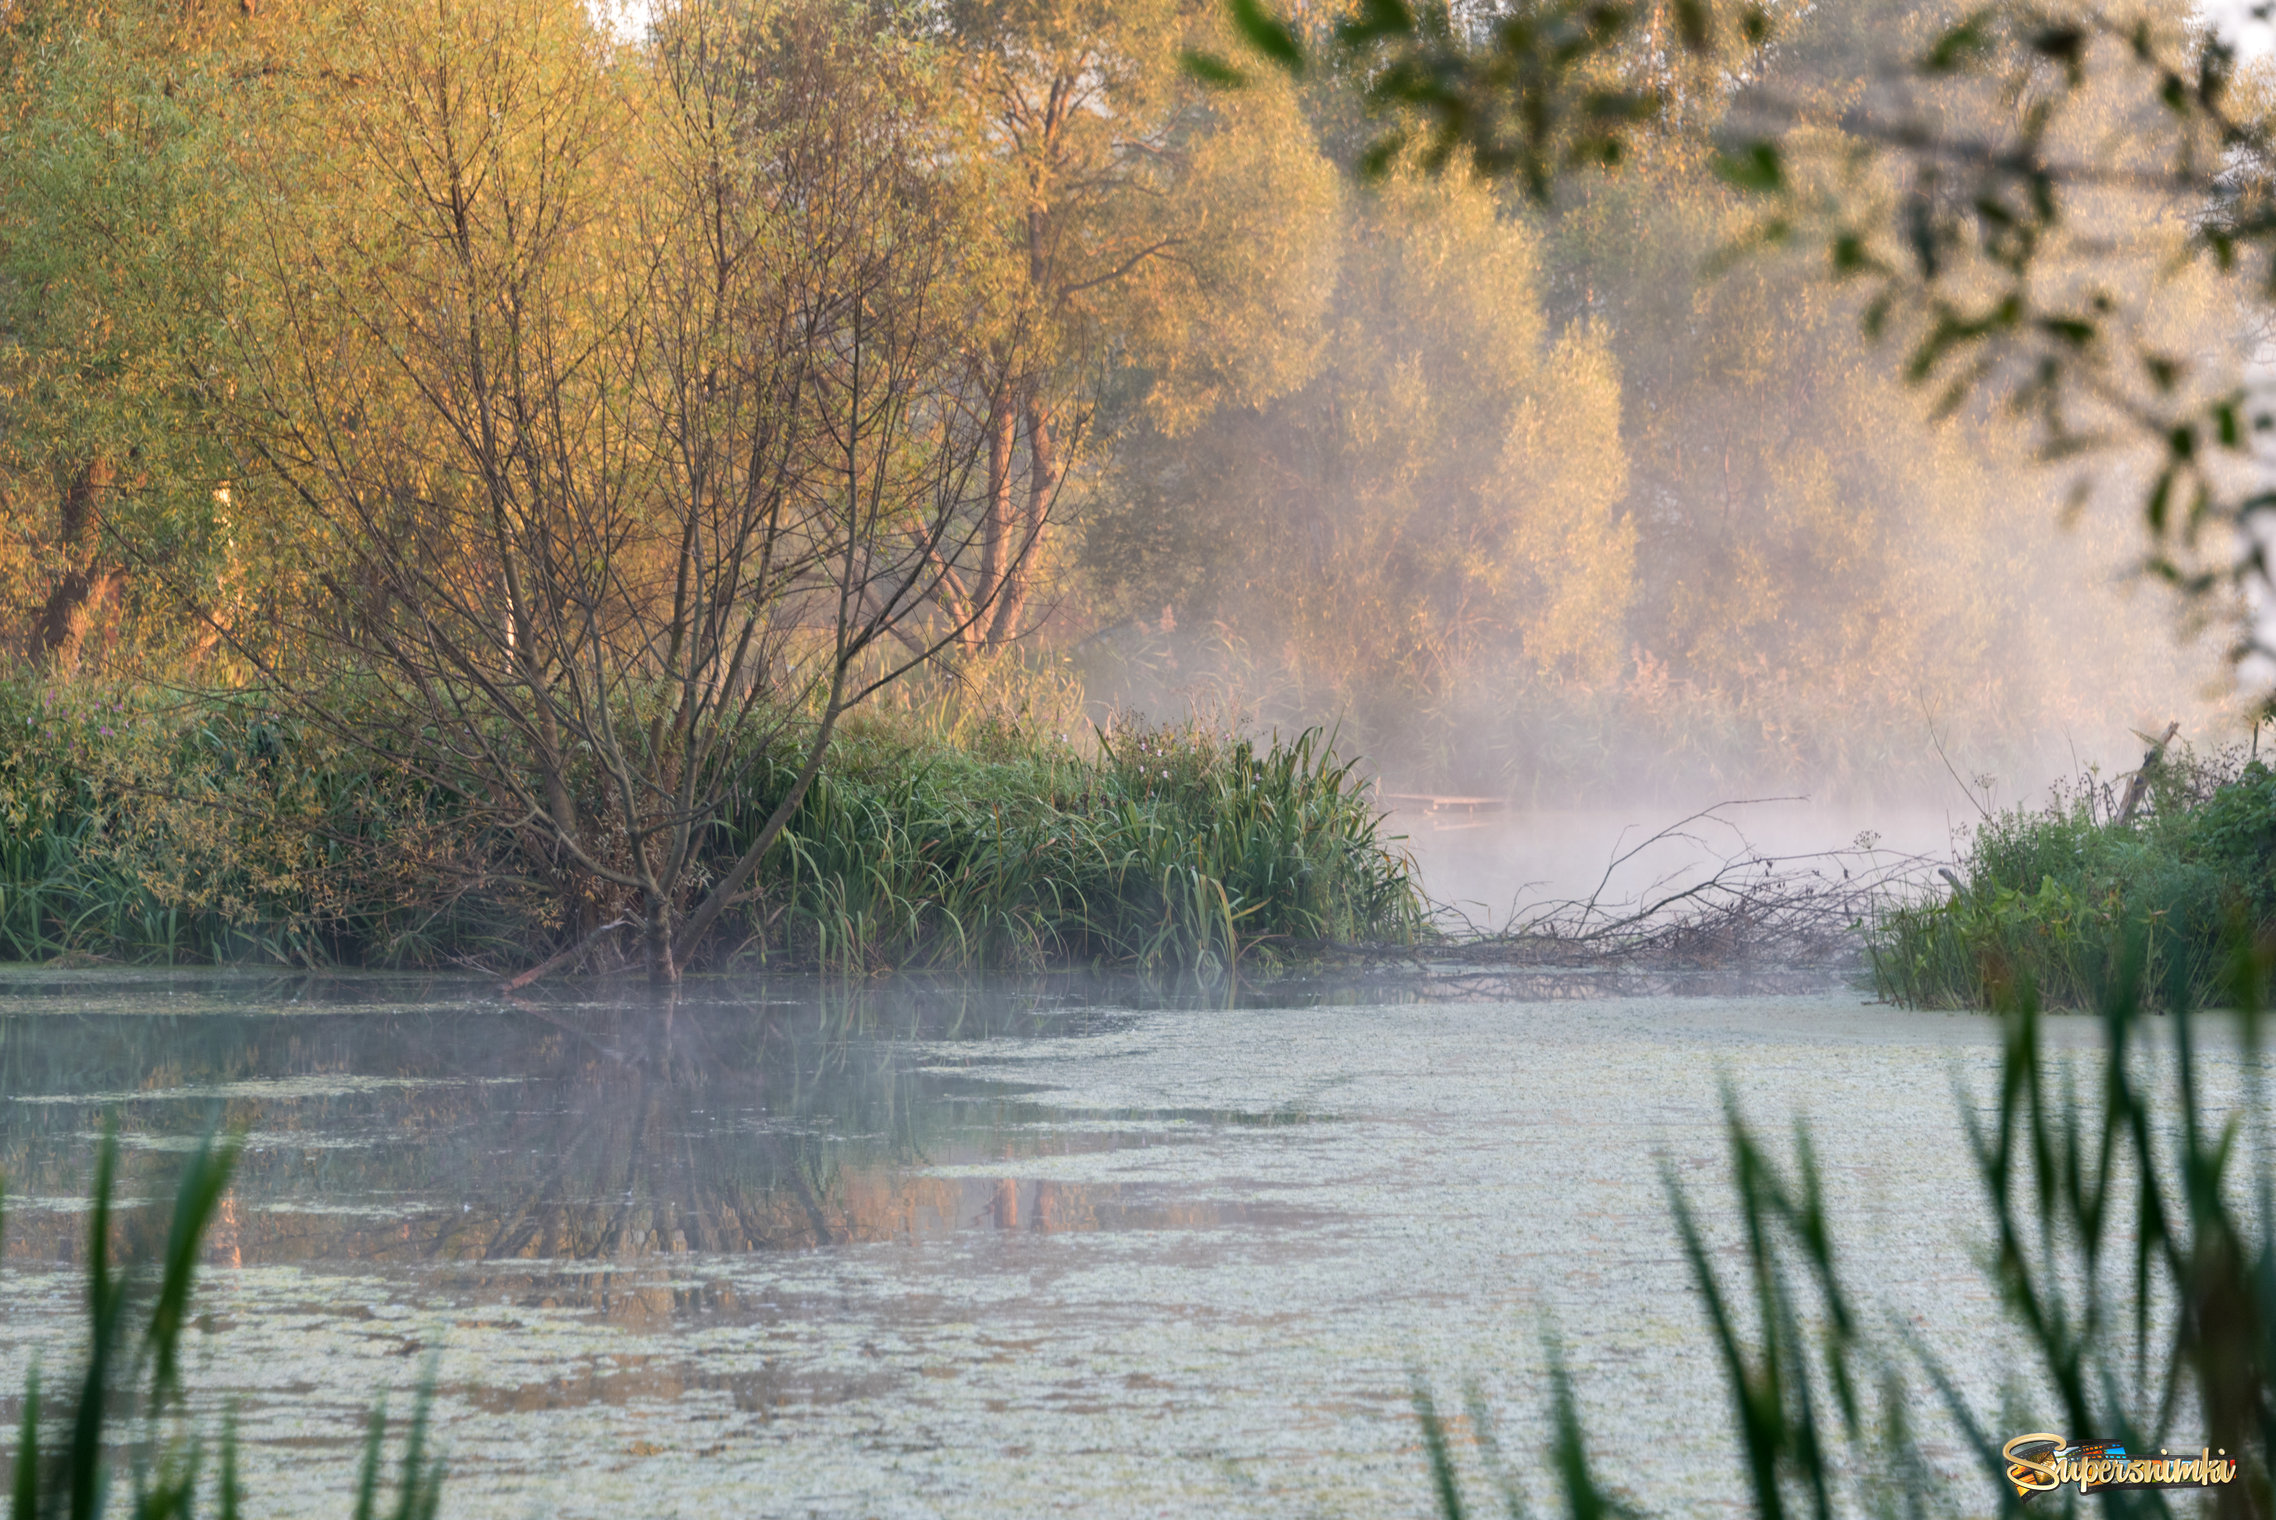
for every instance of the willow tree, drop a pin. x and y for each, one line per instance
(1440, 507)
(1134, 227)
(114, 205)
(621, 398)
(2032, 198)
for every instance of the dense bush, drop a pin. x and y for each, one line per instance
(2047, 896)
(146, 826)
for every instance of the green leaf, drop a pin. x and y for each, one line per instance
(25, 1497)
(1443, 1481)
(1209, 69)
(1268, 34)
(367, 1476)
(1756, 167)
(204, 1181)
(230, 1499)
(1378, 19)
(1692, 24)
(1960, 45)
(1381, 154)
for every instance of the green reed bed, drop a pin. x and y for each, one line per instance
(2050, 897)
(140, 825)
(146, 826)
(1172, 848)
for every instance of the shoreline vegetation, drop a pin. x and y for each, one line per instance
(2174, 863)
(143, 825)
(546, 561)
(988, 825)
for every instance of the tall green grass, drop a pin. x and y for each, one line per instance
(2132, 1254)
(142, 827)
(123, 1413)
(146, 826)
(2053, 896)
(1171, 849)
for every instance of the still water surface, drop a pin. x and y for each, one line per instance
(964, 1249)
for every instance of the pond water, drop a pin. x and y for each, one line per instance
(966, 1249)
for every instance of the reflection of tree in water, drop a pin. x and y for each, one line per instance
(578, 1137)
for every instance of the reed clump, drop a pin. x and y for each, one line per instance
(116, 1433)
(145, 826)
(2050, 897)
(149, 826)
(1172, 847)
(2125, 1188)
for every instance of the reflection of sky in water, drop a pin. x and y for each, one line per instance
(955, 1252)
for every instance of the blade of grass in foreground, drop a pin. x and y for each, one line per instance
(129, 1397)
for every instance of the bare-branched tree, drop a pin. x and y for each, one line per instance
(616, 503)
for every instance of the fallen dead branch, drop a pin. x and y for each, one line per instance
(1730, 907)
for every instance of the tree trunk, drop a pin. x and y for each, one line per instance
(1042, 486)
(663, 965)
(996, 530)
(729, 886)
(84, 586)
(2138, 789)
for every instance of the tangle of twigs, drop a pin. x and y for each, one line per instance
(1734, 908)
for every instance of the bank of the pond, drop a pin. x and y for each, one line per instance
(2056, 898)
(148, 826)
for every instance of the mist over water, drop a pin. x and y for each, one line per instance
(1492, 860)
(1493, 867)
(1683, 541)
(1570, 511)
(967, 1248)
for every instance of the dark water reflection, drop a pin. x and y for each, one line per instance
(397, 1122)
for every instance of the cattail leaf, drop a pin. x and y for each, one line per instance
(1268, 34)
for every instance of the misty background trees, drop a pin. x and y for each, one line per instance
(1535, 498)
(2043, 225)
